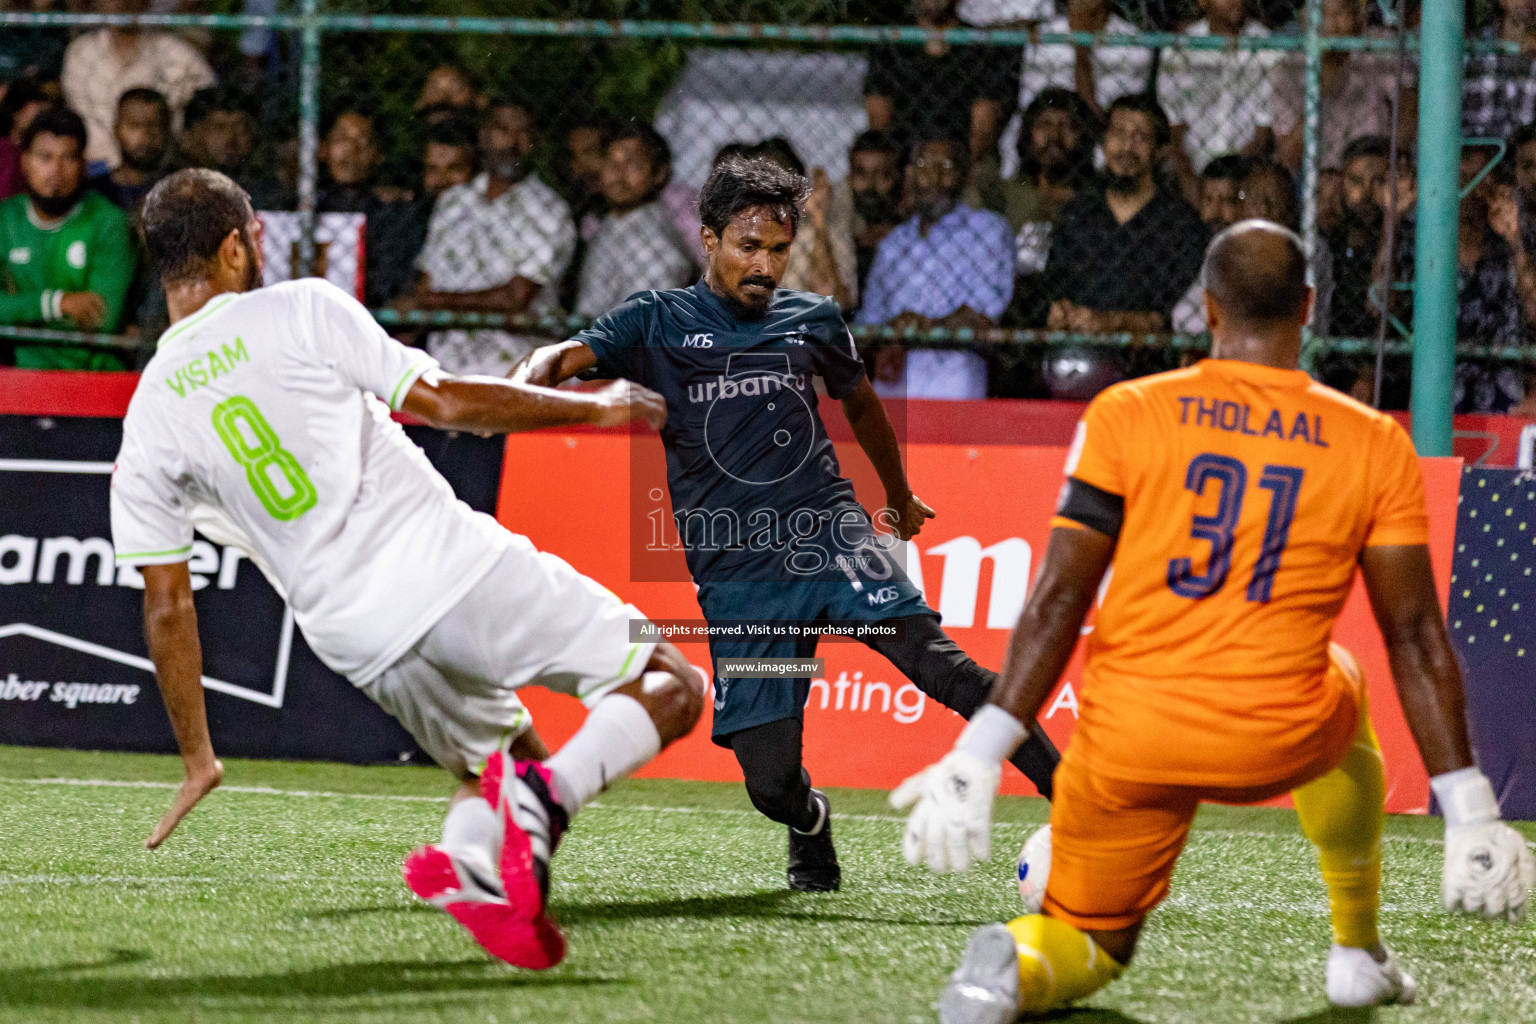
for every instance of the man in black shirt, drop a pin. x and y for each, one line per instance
(449, 157)
(143, 132)
(869, 202)
(221, 131)
(1354, 246)
(1121, 258)
(1354, 241)
(937, 89)
(395, 227)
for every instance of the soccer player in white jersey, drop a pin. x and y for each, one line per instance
(263, 420)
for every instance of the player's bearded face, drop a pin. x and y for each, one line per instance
(143, 135)
(937, 176)
(506, 139)
(1130, 145)
(747, 260)
(874, 206)
(875, 178)
(54, 171)
(506, 164)
(1364, 177)
(1056, 136)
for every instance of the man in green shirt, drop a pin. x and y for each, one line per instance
(66, 259)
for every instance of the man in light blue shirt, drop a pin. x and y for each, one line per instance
(949, 266)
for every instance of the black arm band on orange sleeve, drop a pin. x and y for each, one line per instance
(1092, 506)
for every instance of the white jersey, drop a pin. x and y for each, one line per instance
(260, 421)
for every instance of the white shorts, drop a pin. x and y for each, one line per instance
(532, 621)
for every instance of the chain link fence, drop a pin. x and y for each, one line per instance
(1010, 198)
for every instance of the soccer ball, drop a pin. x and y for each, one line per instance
(1035, 869)
(1076, 374)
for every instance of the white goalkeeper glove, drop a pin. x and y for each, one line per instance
(1488, 867)
(951, 818)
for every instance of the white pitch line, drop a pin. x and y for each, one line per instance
(310, 794)
(160, 879)
(255, 790)
(108, 880)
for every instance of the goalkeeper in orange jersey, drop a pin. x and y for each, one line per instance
(1233, 500)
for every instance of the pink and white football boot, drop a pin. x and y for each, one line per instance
(523, 794)
(469, 891)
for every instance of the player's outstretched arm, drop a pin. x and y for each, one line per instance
(170, 626)
(1488, 868)
(872, 427)
(552, 365)
(492, 405)
(951, 801)
(1424, 667)
(1052, 620)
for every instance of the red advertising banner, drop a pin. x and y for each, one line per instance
(598, 498)
(1481, 440)
(866, 725)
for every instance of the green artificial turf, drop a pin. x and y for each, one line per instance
(288, 906)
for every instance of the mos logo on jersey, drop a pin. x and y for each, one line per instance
(698, 341)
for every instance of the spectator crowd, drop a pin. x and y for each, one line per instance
(1066, 187)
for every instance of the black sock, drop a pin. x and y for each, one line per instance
(1037, 757)
(777, 783)
(926, 655)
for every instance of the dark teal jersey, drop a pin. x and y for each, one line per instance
(749, 464)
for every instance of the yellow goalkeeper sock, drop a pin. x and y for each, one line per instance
(1058, 964)
(1343, 813)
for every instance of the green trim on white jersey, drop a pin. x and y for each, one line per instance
(124, 556)
(210, 307)
(413, 373)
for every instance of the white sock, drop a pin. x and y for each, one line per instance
(617, 737)
(472, 829)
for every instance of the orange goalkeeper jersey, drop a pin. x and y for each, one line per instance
(1248, 493)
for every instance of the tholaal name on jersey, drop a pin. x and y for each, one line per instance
(1239, 418)
(207, 367)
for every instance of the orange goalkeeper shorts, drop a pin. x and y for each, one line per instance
(1114, 841)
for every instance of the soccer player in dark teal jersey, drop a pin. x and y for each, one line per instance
(770, 527)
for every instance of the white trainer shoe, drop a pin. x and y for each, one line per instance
(1356, 977)
(985, 987)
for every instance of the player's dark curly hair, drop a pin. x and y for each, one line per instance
(185, 219)
(59, 121)
(737, 185)
(1080, 161)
